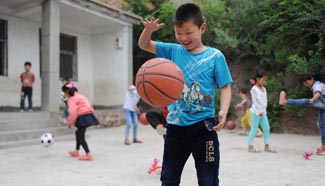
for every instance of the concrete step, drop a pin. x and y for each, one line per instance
(13, 144)
(21, 135)
(25, 124)
(24, 115)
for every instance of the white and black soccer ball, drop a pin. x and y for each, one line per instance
(47, 139)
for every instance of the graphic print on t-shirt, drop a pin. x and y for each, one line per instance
(193, 95)
(194, 99)
(203, 72)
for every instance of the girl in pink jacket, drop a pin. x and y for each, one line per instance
(81, 115)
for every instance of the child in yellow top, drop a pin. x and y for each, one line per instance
(245, 121)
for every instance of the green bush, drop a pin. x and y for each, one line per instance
(283, 36)
(231, 112)
(273, 116)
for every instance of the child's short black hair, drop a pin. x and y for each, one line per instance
(27, 63)
(65, 79)
(243, 90)
(188, 11)
(306, 77)
(260, 74)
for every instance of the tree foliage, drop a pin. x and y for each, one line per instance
(281, 36)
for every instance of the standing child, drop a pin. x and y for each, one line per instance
(317, 101)
(259, 116)
(245, 121)
(81, 115)
(191, 125)
(131, 115)
(65, 101)
(27, 80)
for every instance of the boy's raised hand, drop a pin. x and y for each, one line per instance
(152, 24)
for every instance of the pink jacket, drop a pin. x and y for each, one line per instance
(78, 105)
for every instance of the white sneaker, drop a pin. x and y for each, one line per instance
(65, 121)
(31, 110)
(161, 131)
(22, 110)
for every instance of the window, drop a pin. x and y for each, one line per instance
(3, 48)
(68, 56)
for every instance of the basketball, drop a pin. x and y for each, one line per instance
(143, 119)
(159, 82)
(230, 125)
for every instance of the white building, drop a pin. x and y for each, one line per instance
(85, 40)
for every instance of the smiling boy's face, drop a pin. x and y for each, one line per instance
(189, 35)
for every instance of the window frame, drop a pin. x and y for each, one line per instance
(74, 54)
(4, 66)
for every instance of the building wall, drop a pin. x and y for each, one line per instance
(85, 62)
(112, 70)
(23, 45)
(103, 69)
(116, 3)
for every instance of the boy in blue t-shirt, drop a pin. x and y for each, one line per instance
(191, 126)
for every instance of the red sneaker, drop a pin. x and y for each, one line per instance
(320, 150)
(86, 158)
(74, 153)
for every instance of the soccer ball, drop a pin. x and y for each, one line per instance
(47, 139)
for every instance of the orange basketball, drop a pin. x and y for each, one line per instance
(159, 82)
(230, 124)
(143, 119)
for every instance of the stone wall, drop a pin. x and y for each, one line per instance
(110, 118)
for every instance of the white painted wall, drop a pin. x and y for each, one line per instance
(23, 45)
(111, 67)
(85, 62)
(104, 71)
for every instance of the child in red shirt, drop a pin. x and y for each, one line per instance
(27, 80)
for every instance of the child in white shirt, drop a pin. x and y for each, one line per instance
(259, 116)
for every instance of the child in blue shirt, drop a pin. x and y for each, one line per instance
(191, 125)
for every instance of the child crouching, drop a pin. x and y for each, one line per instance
(81, 115)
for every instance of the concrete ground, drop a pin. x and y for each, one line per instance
(115, 164)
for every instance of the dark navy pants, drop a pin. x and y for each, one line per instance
(180, 143)
(26, 91)
(81, 139)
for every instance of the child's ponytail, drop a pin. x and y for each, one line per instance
(258, 75)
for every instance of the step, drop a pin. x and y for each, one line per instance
(18, 135)
(21, 143)
(25, 124)
(24, 115)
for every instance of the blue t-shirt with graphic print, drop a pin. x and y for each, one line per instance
(203, 72)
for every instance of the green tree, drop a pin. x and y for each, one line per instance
(145, 9)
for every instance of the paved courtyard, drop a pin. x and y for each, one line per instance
(115, 164)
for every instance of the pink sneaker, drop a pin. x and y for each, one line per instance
(320, 150)
(87, 157)
(74, 154)
(283, 99)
